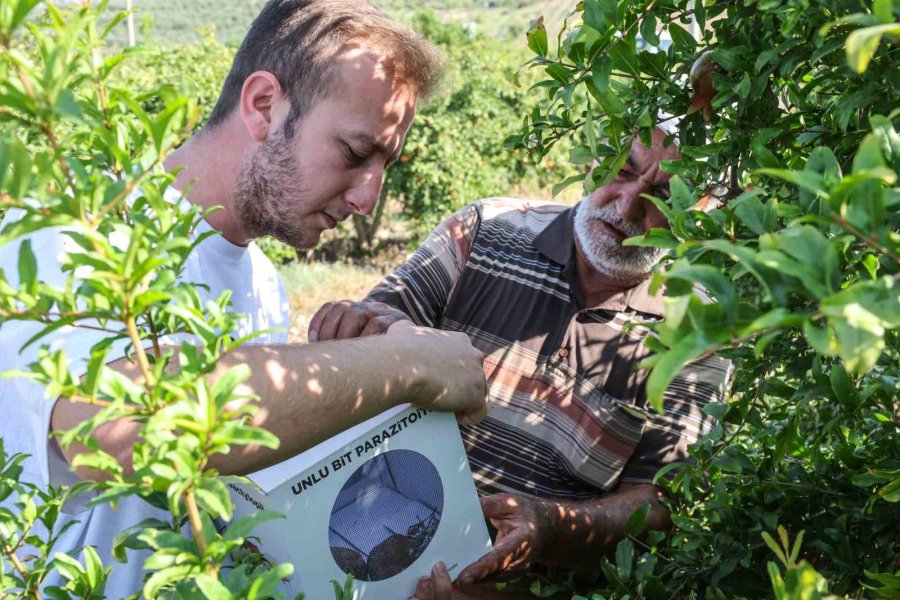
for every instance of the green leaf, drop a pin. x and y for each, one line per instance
(744, 87)
(821, 161)
(821, 339)
(243, 526)
(860, 338)
(624, 58)
(601, 70)
(891, 492)
(711, 278)
(655, 238)
(609, 102)
(670, 363)
(683, 41)
(786, 441)
(624, 559)
(758, 217)
(599, 13)
(843, 387)
(67, 106)
(862, 43)
(27, 268)
(648, 29)
(680, 196)
(559, 73)
(213, 497)
(537, 37)
(763, 156)
(869, 157)
(637, 520)
(812, 182)
(213, 589)
(773, 546)
(568, 181)
(580, 155)
(23, 8)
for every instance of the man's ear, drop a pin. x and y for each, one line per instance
(261, 97)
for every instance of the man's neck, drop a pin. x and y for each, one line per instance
(597, 287)
(208, 167)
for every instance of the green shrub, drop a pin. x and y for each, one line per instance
(454, 153)
(803, 260)
(78, 152)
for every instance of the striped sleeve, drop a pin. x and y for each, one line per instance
(421, 286)
(666, 436)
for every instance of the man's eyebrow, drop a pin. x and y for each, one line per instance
(373, 145)
(370, 142)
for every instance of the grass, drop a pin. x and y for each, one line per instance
(310, 285)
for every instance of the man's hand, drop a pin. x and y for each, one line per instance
(435, 587)
(450, 370)
(346, 319)
(523, 531)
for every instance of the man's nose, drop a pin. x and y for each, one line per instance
(630, 205)
(363, 196)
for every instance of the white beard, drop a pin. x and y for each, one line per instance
(606, 254)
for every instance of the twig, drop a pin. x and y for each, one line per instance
(10, 552)
(868, 240)
(193, 511)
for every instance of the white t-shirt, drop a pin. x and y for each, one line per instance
(257, 292)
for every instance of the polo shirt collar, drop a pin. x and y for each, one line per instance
(557, 242)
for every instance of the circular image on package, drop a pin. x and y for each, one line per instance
(385, 515)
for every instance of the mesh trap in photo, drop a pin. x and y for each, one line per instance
(385, 515)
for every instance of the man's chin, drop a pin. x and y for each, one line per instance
(620, 270)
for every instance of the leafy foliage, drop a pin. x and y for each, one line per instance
(81, 154)
(802, 258)
(454, 152)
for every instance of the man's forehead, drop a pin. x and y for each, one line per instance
(641, 157)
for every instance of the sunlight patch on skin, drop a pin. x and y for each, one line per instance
(314, 387)
(277, 374)
(312, 369)
(359, 400)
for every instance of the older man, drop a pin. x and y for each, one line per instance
(317, 104)
(556, 302)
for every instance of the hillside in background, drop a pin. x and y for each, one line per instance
(179, 21)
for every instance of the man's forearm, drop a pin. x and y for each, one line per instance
(307, 394)
(310, 394)
(583, 531)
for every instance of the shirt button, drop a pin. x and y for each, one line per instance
(563, 352)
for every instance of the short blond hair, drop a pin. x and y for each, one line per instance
(298, 40)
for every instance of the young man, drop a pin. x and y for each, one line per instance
(316, 106)
(569, 448)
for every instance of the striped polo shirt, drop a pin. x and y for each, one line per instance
(567, 410)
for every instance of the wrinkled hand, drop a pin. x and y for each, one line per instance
(523, 532)
(346, 319)
(448, 370)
